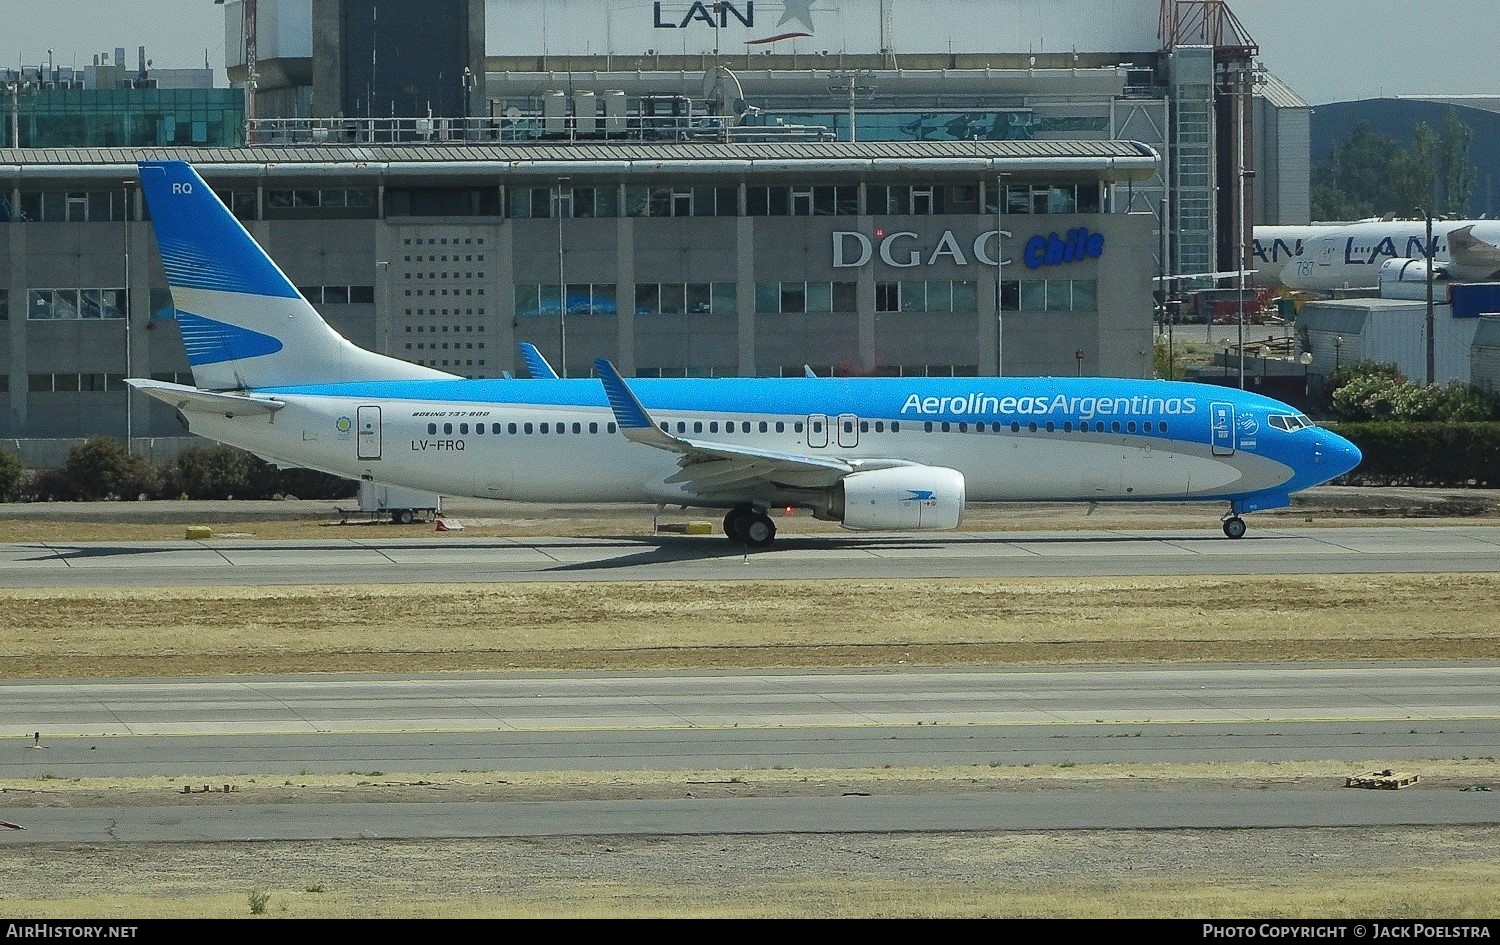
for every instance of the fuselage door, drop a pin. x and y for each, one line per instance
(1221, 429)
(848, 430)
(817, 431)
(368, 436)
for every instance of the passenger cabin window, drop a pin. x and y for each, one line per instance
(432, 429)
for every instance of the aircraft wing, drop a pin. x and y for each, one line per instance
(191, 398)
(536, 365)
(709, 468)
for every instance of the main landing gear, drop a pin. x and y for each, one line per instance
(749, 526)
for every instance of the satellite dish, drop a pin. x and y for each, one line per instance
(740, 106)
(513, 113)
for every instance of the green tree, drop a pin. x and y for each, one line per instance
(99, 468)
(1372, 174)
(218, 472)
(1455, 172)
(11, 469)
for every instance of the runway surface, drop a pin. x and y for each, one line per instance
(1341, 550)
(1053, 810)
(231, 728)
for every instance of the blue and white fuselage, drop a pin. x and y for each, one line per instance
(871, 453)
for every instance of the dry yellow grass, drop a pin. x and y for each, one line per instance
(1089, 874)
(429, 628)
(198, 631)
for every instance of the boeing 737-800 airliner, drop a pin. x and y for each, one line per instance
(273, 378)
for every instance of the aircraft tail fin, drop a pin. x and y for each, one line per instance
(244, 324)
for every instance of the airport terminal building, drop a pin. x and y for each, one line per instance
(707, 259)
(966, 187)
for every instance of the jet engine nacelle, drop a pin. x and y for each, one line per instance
(906, 498)
(1409, 270)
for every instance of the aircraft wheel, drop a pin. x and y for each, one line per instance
(734, 524)
(1234, 527)
(760, 531)
(403, 517)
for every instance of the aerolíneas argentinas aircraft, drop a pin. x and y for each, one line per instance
(871, 453)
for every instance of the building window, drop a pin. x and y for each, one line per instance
(686, 298)
(303, 202)
(796, 298)
(583, 299)
(934, 296)
(1045, 198)
(907, 200)
(55, 304)
(74, 206)
(446, 202)
(1050, 295)
(682, 201)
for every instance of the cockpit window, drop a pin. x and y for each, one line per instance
(1289, 423)
(1279, 422)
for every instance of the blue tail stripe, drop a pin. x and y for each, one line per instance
(211, 342)
(202, 245)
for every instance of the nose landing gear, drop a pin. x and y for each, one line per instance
(1234, 526)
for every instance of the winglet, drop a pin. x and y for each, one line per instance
(632, 417)
(807, 371)
(536, 365)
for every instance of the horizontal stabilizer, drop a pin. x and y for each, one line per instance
(203, 401)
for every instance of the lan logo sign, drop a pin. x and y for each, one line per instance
(722, 15)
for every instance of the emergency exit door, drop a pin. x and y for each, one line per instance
(1221, 429)
(367, 434)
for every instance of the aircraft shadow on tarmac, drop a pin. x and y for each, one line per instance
(651, 548)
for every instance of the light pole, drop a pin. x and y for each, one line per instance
(562, 283)
(1430, 251)
(1338, 346)
(1243, 79)
(1000, 276)
(468, 94)
(129, 363)
(1242, 263)
(383, 316)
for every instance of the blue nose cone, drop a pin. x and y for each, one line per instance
(1339, 455)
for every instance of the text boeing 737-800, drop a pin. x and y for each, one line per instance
(871, 453)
